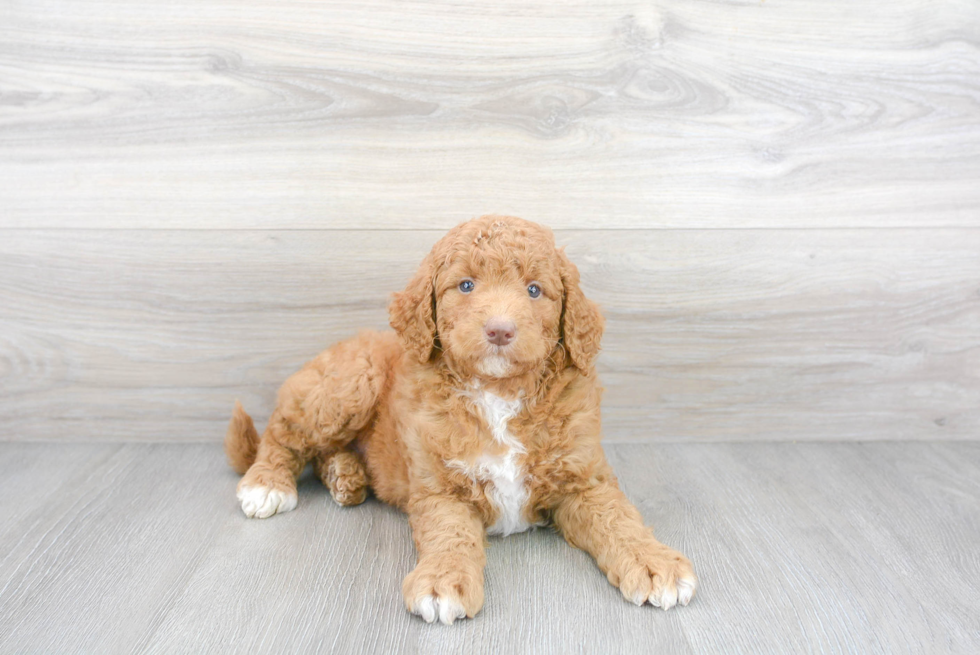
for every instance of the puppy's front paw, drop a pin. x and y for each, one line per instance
(444, 591)
(262, 502)
(659, 576)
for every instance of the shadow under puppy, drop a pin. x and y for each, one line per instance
(479, 415)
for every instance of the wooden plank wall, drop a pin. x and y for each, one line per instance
(777, 202)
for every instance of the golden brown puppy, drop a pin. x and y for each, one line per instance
(479, 415)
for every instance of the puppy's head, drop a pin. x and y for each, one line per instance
(496, 298)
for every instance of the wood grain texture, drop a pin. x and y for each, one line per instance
(94, 565)
(271, 115)
(829, 548)
(712, 334)
(197, 196)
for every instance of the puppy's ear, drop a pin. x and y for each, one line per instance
(412, 313)
(581, 321)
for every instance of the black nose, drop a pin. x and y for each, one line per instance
(500, 331)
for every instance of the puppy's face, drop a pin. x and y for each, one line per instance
(498, 308)
(495, 298)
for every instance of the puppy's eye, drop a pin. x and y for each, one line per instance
(533, 290)
(466, 286)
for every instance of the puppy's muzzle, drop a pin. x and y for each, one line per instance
(500, 331)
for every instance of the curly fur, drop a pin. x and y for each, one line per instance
(406, 414)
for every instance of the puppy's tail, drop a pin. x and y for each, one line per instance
(241, 440)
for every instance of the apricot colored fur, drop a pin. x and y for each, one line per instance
(399, 412)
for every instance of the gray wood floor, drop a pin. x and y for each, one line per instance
(824, 548)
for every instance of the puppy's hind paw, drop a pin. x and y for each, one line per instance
(346, 478)
(263, 502)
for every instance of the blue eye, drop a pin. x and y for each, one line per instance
(466, 286)
(534, 290)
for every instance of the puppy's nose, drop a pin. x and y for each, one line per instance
(500, 331)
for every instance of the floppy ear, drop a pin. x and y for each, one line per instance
(581, 321)
(412, 313)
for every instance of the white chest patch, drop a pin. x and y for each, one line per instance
(503, 479)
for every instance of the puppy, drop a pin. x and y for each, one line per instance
(478, 415)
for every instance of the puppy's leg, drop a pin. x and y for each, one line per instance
(319, 411)
(447, 583)
(343, 473)
(269, 485)
(601, 521)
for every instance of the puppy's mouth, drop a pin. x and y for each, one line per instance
(496, 362)
(497, 351)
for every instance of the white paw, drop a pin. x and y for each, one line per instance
(263, 502)
(431, 608)
(668, 595)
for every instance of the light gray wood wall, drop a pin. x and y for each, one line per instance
(777, 203)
